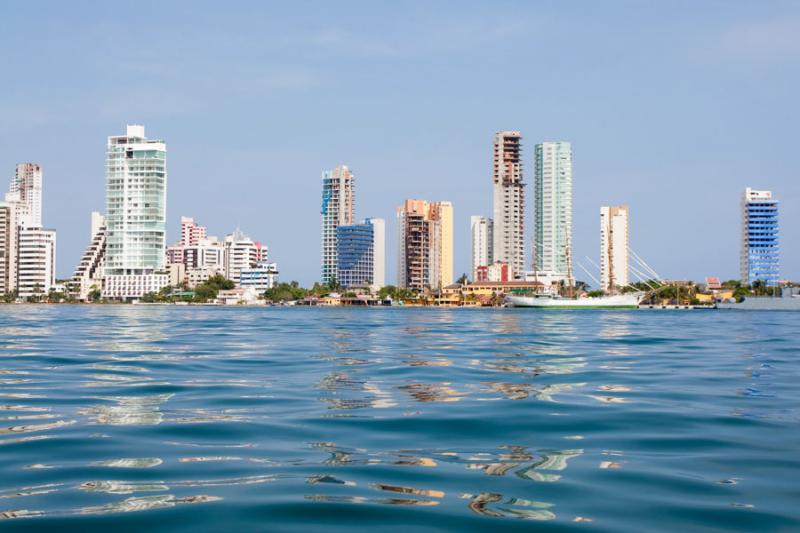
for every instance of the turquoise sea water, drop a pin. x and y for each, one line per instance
(131, 418)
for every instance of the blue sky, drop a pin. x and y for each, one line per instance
(672, 108)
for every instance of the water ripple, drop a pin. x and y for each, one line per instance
(317, 419)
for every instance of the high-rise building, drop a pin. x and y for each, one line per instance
(508, 243)
(442, 212)
(36, 261)
(338, 207)
(614, 247)
(360, 254)
(241, 252)
(89, 274)
(379, 252)
(425, 245)
(552, 247)
(760, 247)
(136, 202)
(28, 249)
(482, 253)
(8, 246)
(191, 233)
(27, 183)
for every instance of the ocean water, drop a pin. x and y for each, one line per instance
(131, 418)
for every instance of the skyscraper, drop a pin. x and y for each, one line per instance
(337, 210)
(613, 247)
(28, 250)
(482, 253)
(360, 254)
(27, 183)
(552, 247)
(509, 201)
(442, 213)
(760, 254)
(425, 245)
(136, 202)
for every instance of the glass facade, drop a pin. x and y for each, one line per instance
(136, 194)
(553, 208)
(760, 251)
(355, 255)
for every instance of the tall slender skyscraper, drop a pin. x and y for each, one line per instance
(509, 201)
(613, 247)
(552, 247)
(481, 232)
(424, 245)
(136, 203)
(760, 257)
(338, 207)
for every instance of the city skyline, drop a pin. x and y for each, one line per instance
(659, 118)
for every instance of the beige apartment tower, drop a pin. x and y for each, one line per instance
(425, 245)
(508, 201)
(614, 248)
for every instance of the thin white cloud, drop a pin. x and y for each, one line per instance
(452, 36)
(764, 39)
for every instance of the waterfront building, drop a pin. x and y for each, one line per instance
(89, 274)
(442, 212)
(614, 246)
(486, 292)
(260, 278)
(338, 207)
(360, 254)
(8, 245)
(552, 247)
(482, 253)
(241, 252)
(425, 245)
(28, 249)
(760, 255)
(379, 252)
(508, 187)
(136, 195)
(36, 262)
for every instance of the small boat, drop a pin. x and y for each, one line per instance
(616, 301)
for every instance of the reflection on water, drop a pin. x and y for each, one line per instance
(439, 418)
(491, 504)
(129, 410)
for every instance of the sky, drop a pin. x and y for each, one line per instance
(672, 108)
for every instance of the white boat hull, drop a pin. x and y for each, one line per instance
(617, 301)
